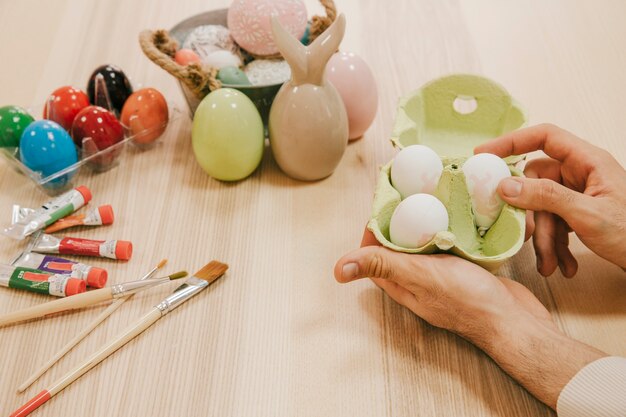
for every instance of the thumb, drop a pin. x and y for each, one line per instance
(367, 262)
(545, 195)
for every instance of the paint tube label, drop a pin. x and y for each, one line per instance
(75, 246)
(93, 218)
(64, 266)
(35, 281)
(47, 214)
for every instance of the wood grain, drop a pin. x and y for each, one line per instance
(277, 335)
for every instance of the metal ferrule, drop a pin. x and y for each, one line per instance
(126, 288)
(183, 293)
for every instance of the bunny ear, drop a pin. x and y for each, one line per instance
(292, 50)
(323, 47)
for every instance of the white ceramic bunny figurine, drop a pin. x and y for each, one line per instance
(308, 124)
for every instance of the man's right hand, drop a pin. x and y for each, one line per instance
(579, 188)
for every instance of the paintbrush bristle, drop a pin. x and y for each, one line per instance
(211, 271)
(162, 263)
(178, 275)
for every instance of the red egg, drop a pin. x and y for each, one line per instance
(145, 115)
(103, 130)
(186, 57)
(63, 105)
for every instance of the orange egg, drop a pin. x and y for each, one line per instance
(186, 57)
(145, 115)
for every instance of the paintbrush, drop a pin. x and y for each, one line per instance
(86, 299)
(80, 336)
(199, 281)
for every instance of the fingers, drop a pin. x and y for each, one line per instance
(543, 242)
(554, 141)
(378, 262)
(369, 239)
(546, 195)
(567, 262)
(530, 224)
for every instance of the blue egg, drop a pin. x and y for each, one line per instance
(47, 148)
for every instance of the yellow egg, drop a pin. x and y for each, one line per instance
(227, 135)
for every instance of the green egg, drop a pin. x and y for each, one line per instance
(452, 115)
(227, 135)
(232, 76)
(13, 121)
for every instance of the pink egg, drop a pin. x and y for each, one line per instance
(186, 57)
(249, 22)
(353, 78)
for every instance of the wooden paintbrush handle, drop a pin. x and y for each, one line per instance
(62, 304)
(123, 338)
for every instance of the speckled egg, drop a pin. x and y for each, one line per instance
(249, 22)
(145, 115)
(268, 71)
(47, 148)
(204, 40)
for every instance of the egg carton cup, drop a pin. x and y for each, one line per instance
(452, 115)
(89, 156)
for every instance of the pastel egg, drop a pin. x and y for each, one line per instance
(186, 56)
(113, 89)
(268, 71)
(249, 22)
(227, 135)
(221, 59)
(483, 172)
(232, 76)
(145, 115)
(356, 85)
(206, 39)
(13, 121)
(416, 220)
(416, 169)
(47, 148)
(63, 105)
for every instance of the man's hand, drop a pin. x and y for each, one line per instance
(579, 188)
(498, 315)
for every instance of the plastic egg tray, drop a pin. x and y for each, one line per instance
(65, 179)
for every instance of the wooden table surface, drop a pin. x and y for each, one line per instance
(277, 336)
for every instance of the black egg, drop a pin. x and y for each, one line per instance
(117, 87)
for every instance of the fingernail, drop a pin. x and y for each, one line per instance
(511, 187)
(349, 271)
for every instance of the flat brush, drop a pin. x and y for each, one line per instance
(199, 281)
(83, 333)
(86, 299)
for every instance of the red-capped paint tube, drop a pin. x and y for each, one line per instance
(114, 249)
(49, 213)
(94, 277)
(33, 280)
(97, 216)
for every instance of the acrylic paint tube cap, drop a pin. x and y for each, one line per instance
(75, 286)
(97, 277)
(85, 192)
(106, 214)
(123, 250)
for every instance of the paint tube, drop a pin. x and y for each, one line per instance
(49, 213)
(114, 249)
(93, 277)
(97, 216)
(33, 280)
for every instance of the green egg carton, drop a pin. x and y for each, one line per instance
(452, 115)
